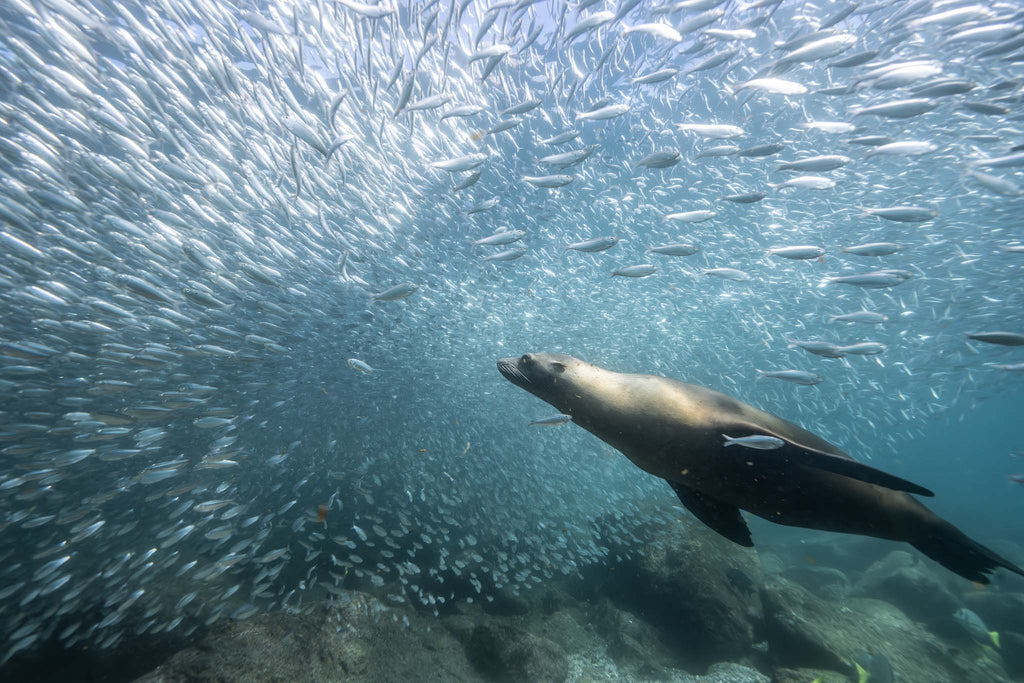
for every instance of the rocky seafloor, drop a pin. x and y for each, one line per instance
(688, 606)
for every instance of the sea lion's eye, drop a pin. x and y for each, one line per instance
(557, 367)
(526, 358)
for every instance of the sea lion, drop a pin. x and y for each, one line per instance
(676, 431)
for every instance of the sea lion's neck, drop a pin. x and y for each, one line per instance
(606, 405)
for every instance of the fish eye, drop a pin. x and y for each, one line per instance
(557, 367)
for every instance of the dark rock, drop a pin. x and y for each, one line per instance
(1012, 651)
(507, 603)
(461, 625)
(354, 640)
(903, 580)
(564, 628)
(825, 582)
(771, 562)
(695, 587)
(806, 631)
(505, 652)
(270, 647)
(634, 645)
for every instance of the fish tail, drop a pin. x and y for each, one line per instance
(994, 635)
(729, 441)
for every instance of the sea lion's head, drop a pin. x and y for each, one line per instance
(548, 376)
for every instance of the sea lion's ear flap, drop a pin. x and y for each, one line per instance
(722, 517)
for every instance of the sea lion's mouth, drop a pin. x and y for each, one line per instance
(509, 369)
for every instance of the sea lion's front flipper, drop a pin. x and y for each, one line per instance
(722, 517)
(850, 468)
(838, 462)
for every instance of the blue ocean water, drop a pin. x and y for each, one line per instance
(248, 344)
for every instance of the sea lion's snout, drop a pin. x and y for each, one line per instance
(509, 369)
(542, 374)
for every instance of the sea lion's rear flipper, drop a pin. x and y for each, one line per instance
(722, 517)
(954, 550)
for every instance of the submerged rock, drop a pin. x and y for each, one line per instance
(825, 582)
(270, 647)
(805, 631)
(512, 654)
(635, 645)
(1012, 652)
(852, 556)
(908, 583)
(696, 588)
(357, 639)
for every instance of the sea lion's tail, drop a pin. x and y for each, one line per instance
(955, 551)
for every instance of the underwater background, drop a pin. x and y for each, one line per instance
(259, 259)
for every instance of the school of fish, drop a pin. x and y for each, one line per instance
(258, 258)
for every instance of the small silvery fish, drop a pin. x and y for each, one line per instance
(903, 214)
(761, 442)
(873, 249)
(711, 130)
(463, 163)
(397, 292)
(593, 245)
(507, 255)
(641, 270)
(862, 349)
(794, 376)
(549, 181)
(869, 317)
(359, 365)
(733, 274)
(827, 162)
(660, 159)
(677, 249)
(697, 216)
(800, 253)
(604, 113)
(877, 279)
(552, 421)
(501, 238)
(1000, 338)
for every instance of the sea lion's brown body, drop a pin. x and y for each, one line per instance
(675, 431)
